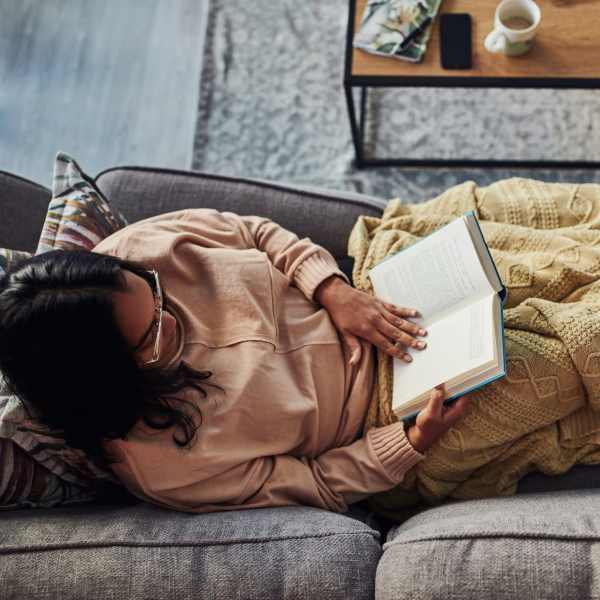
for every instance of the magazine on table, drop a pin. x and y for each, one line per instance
(396, 28)
(450, 277)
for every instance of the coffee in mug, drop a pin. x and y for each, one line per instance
(515, 25)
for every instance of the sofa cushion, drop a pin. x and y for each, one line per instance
(327, 217)
(144, 551)
(527, 546)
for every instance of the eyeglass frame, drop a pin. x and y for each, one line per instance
(158, 306)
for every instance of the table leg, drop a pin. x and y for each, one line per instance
(363, 117)
(357, 134)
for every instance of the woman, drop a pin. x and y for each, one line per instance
(108, 346)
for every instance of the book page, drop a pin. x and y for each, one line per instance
(436, 275)
(485, 256)
(456, 344)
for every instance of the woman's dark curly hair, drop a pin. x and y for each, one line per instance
(62, 353)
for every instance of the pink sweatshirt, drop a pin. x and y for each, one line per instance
(288, 429)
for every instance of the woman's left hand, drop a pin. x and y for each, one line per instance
(358, 314)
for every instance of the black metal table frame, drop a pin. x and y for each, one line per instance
(367, 81)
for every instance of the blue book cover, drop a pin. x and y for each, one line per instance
(502, 293)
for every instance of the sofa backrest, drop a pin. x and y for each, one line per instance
(325, 216)
(23, 206)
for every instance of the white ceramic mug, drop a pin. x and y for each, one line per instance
(507, 36)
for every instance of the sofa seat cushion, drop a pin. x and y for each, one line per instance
(541, 545)
(144, 551)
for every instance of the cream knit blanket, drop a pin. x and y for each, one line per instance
(545, 414)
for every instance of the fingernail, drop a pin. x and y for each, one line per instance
(422, 332)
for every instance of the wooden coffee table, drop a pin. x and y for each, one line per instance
(565, 55)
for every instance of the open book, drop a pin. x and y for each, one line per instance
(451, 279)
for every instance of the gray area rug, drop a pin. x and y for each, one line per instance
(272, 106)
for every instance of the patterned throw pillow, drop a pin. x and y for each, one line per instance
(26, 483)
(37, 468)
(9, 258)
(79, 216)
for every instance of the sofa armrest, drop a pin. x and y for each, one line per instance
(23, 207)
(323, 215)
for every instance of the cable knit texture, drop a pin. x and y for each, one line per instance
(545, 414)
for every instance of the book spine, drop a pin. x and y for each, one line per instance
(503, 337)
(457, 396)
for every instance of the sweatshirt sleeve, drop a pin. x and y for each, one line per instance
(303, 262)
(332, 481)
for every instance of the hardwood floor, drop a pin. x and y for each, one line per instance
(110, 82)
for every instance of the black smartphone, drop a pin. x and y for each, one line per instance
(455, 40)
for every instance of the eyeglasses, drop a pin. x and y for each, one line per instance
(158, 313)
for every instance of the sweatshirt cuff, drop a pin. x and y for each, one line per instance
(312, 271)
(394, 451)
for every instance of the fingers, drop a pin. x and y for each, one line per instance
(436, 400)
(436, 410)
(448, 413)
(401, 311)
(458, 410)
(388, 347)
(397, 328)
(399, 317)
(390, 326)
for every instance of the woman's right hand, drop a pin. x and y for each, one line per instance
(435, 419)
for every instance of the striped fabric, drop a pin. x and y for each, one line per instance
(79, 216)
(55, 473)
(37, 468)
(25, 483)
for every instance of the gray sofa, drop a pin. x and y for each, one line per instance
(541, 543)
